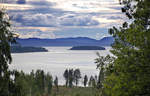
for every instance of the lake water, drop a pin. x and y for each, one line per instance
(57, 60)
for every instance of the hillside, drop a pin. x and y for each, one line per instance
(79, 41)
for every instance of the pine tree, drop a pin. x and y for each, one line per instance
(6, 36)
(130, 75)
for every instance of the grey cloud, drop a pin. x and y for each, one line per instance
(50, 20)
(39, 20)
(8, 1)
(115, 17)
(78, 20)
(30, 33)
(21, 1)
(40, 3)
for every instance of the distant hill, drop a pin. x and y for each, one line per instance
(107, 41)
(87, 48)
(79, 41)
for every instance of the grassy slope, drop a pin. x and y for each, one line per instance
(76, 91)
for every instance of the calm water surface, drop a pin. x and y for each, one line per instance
(57, 60)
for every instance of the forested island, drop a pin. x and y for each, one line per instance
(20, 49)
(87, 48)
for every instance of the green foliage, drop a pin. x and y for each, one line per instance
(6, 36)
(33, 84)
(129, 75)
(103, 64)
(75, 91)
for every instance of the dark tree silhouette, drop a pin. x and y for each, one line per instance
(71, 77)
(85, 80)
(66, 76)
(56, 83)
(77, 76)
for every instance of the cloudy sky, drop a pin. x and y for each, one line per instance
(64, 18)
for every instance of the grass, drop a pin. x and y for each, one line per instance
(75, 91)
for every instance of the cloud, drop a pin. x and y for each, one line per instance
(30, 32)
(78, 20)
(74, 17)
(48, 13)
(21, 2)
(8, 1)
(49, 20)
(81, 32)
(37, 20)
(86, 6)
(40, 3)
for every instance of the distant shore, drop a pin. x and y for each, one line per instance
(20, 49)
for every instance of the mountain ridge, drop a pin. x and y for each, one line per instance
(77, 41)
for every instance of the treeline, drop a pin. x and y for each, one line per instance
(39, 83)
(34, 84)
(73, 77)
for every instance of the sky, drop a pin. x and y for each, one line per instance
(64, 18)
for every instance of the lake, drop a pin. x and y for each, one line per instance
(57, 60)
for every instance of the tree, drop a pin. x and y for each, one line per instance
(66, 76)
(85, 80)
(49, 83)
(40, 81)
(102, 63)
(6, 36)
(30, 84)
(77, 76)
(92, 82)
(71, 77)
(56, 82)
(130, 73)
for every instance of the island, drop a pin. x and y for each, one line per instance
(87, 48)
(20, 49)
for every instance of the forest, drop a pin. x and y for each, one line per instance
(126, 73)
(39, 83)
